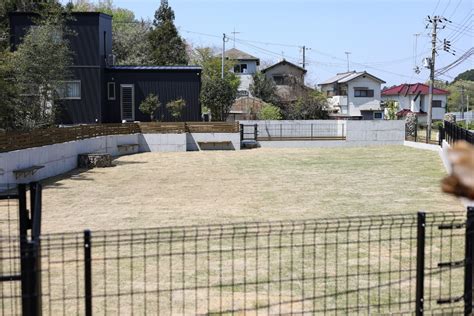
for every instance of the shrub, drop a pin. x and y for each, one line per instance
(150, 105)
(269, 112)
(437, 125)
(176, 108)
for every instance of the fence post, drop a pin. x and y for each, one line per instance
(441, 136)
(420, 263)
(281, 127)
(241, 132)
(469, 262)
(311, 131)
(87, 273)
(29, 259)
(416, 133)
(255, 131)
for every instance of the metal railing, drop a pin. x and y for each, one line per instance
(294, 131)
(453, 133)
(369, 265)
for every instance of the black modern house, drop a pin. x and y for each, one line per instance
(101, 92)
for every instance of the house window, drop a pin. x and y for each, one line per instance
(279, 80)
(378, 115)
(363, 93)
(437, 104)
(240, 69)
(70, 90)
(111, 90)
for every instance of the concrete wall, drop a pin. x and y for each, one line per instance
(61, 158)
(358, 133)
(298, 128)
(57, 158)
(378, 132)
(192, 140)
(162, 142)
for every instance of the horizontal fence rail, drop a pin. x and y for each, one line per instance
(287, 131)
(40, 137)
(454, 133)
(355, 265)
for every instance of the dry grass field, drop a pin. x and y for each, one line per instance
(313, 267)
(164, 189)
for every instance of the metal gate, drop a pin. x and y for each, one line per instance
(248, 132)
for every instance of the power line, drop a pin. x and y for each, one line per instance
(445, 8)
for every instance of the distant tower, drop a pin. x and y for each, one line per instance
(164, 2)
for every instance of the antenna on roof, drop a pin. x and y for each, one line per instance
(233, 33)
(348, 64)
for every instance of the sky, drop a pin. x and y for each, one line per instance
(379, 34)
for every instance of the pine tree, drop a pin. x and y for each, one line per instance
(167, 47)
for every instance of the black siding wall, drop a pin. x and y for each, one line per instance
(168, 85)
(88, 108)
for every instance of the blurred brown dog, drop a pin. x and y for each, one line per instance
(461, 180)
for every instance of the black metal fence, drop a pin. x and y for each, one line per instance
(293, 131)
(391, 264)
(454, 133)
(20, 256)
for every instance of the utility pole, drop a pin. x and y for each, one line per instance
(434, 21)
(348, 64)
(224, 38)
(462, 102)
(304, 48)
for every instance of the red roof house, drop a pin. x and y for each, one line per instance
(416, 88)
(414, 98)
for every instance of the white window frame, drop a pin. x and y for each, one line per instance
(109, 84)
(72, 98)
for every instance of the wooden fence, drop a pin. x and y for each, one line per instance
(40, 137)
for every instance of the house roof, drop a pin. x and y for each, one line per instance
(197, 68)
(236, 54)
(415, 88)
(348, 76)
(285, 62)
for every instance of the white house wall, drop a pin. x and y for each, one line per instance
(407, 102)
(356, 102)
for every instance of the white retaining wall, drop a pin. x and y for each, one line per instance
(298, 128)
(56, 158)
(61, 158)
(192, 139)
(162, 142)
(358, 133)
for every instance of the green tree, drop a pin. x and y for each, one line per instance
(176, 108)
(392, 109)
(150, 105)
(212, 66)
(8, 92)
(219, 96)
(43, 8)
(167, 47)
(41, 63)
(311, 106)
(263, 88)
(270, 112)
(468, 75)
